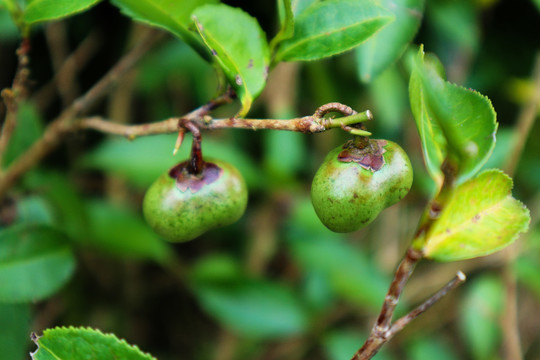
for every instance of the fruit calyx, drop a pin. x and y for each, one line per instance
(186, 180)
(369, 155)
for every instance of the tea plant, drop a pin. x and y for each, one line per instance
(296, 272)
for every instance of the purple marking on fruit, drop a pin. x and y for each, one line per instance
(370, 158)
(186, 181)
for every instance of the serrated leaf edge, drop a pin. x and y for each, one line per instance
(519, 231)
(35, 338)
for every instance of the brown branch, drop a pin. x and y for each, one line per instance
(67, 119)
(381, 331)
(402, 322)
(68, 71)
(13, 96)
(307, 124)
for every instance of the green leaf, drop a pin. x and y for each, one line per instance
(252, 308)
(331, 27)
(480, 218)
(431, 135)
(28, 129)
(481, 311)
(43, 10)
(386, 46)
(457, 22)
(34, 263)
(527, 270)
(389, 94)
(316, 248)
(537, 3)
(282, 169)
(287, 24)
(8, 30)
(299, 6)
(238, 46)
(67, 206)
(142, 161)
(428, 348)
(122, 232)
(15, 320)
(83, 343)
(465, 118)
(173, 16)
(34, 210)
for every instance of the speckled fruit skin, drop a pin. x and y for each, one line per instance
(181, 207)
(347, 196)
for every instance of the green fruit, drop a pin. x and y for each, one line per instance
(353, 185)
(181, 206)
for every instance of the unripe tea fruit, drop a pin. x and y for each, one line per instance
(353, 185)
(181, 206)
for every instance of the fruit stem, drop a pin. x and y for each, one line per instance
(361, 142)
(196, 162)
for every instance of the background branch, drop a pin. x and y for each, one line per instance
(67, 119)
(14, 95)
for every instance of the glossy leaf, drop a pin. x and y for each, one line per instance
(239, 46)
(287, 24)
(173, 16)
(143, 160)
(43, 10)
(28, 129)
(387, 45)
(84, 343)
(298, 6)
(15, 320)
(122, 232)
(251, 308)
(480, 218)
(35, 262)
(431, 136)
(481, 311)
(454, 123)
(331, 27)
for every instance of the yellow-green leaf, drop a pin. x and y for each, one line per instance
(480, 218)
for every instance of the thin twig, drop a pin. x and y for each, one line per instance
(67, 119)
(68, 70)
(307, 124)
(381, 331)
(14, 95)
(402, 322)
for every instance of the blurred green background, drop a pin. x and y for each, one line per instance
(277, 284)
